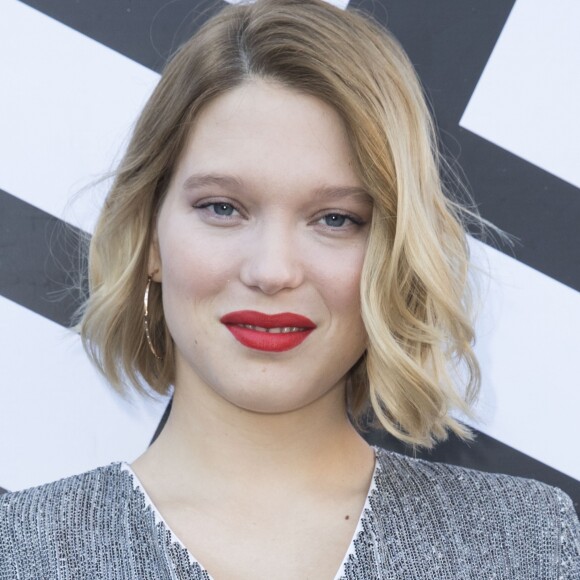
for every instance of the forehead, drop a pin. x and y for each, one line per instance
(264, 132)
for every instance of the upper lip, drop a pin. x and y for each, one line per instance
(253, 318)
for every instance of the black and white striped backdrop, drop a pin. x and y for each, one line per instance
(503, 78)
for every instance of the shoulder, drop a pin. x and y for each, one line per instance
(43, 519)
(501, 516)
(58, 497)
(434, 477)
(460, 484)
(474, 491)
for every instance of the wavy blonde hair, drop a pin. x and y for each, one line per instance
(415, 290)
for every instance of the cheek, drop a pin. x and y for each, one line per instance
(339, 281)
(194, 268)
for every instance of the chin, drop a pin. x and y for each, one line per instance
(265, 405)
(275, 401)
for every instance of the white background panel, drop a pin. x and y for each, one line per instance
(66, 107)
(528, 347)
(57, 416)
(528, 97)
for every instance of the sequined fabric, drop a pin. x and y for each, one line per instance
(422, 520)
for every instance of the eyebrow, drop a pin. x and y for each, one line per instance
(328, 192)
(340, 192)
(201, 180)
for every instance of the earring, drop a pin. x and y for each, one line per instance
(146, 319)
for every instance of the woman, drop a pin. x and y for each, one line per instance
(277, 247)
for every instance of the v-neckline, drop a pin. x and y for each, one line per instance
(160, 520)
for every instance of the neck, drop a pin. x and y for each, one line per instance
(207, 440)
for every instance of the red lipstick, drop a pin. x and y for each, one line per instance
(268, 332)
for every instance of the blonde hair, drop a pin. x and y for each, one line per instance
(415, 291)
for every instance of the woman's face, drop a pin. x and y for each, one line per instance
(264, 216)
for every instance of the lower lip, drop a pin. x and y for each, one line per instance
(268, 341)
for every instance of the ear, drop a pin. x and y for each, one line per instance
(154, 261)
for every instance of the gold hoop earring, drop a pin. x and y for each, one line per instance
(146, 319)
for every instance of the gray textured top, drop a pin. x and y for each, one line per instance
(420, 520)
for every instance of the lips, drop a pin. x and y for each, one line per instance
(268, 332)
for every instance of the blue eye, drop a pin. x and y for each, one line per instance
(221, 208)
(335, 220)
(222, 213)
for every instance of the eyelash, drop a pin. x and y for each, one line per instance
(354, 221)
(209, 204)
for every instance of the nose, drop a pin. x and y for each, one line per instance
(273, 260)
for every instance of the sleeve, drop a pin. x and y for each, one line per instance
(569, 539)
(8, 569)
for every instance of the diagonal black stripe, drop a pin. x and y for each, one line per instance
(534, 205)
(162, 421)
(40, 260)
